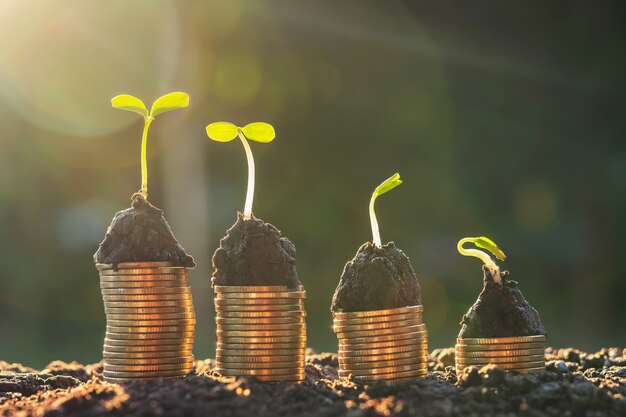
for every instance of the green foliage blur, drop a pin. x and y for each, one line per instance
(505, 120)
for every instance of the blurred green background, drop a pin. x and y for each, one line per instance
(504, 119)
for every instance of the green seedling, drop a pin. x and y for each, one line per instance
(387, 185)
(258, 132)
(488, 244)
(171, 101)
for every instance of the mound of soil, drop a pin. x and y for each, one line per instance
(377, 278)
(500, 311)
(141, 234)
(254, 253)
(576, 384)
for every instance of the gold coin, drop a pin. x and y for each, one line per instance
(147, 297)
(384, 364)
(423, 335)
(150, 323)
(148, 336)
(153, 310)
(418, 374)
(260, 359)
(262, 340)
(258, 327)
(376, 313)
(377, 326)
(108, 354)
(284, 366)
(259, 308)
(126, 265)
(265, 372)
(152, 329)
(497, 353)
(493, 340)
(222, 321)
(221, 302)
(151, 317)
(510, 346)
(380, 332)
(145, 291)
(188, 303)
(421, 354)
(255, 353)
(254, 347)
(387, 370)
(516, 365)
(149, 368)
(510, 359)
(403, 342)
(382, 351)
(147, 374)
(377, 319)
(135, 279)
(263, 295)
(144, 271)
(253, 288)
(261, 314)
(144, 284)
(139, 346)
(297, 331)
(172, 360)
(112, 380)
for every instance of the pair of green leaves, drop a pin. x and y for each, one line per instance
(171, 101)
(225, 131)
(388, 185)
(487, 244)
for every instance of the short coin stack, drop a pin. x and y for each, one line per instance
(150, 321)
(389, 345)
(523, 354)
(261, 332)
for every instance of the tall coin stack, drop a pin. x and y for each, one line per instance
(523, 354)
(150, 321)
(389, 345)
(261, 332)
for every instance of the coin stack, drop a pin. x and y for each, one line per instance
(390, 345)
(150, 321)
(523, 354)
(261, 332)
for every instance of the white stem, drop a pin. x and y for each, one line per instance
(247, 209)
(489, 263)
(375, 232)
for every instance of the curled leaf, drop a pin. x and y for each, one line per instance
(129, 103)
(388, 185)
(170, 101)
(259, 132)
(222, 131)
(488, 244)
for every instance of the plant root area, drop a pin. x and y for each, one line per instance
(575, 384)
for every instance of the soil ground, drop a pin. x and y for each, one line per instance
(576, 384)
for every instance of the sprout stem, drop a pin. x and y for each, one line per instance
(375, 232)
(489, 263)
(144, 161)
(247, 210)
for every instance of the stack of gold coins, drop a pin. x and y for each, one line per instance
(523, 354)
(390, 345)
(150, 321)
(261, 332)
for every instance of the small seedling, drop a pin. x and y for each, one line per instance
(171, 101)
(484, 243)
(258, 132)
(387, 185)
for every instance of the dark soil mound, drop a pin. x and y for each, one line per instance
(141, 234)
(377, 279)
(576, 384)
(500, 311)
(254, 253)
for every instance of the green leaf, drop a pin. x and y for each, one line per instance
(171, 101)
(130, 103)
(222, 131)
(488, 244)
(389, 184)
(259, 132)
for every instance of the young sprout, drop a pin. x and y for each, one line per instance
(488, 244)
(171, 101)
(258, 132)
(387, 185)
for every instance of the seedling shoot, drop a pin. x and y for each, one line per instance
(387, 185)
(484, 243)
(171, 101)
(258, 132)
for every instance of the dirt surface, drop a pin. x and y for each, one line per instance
(500, 311)
(141, 234)
(576, 384)
(254, 253)
(377, 279)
